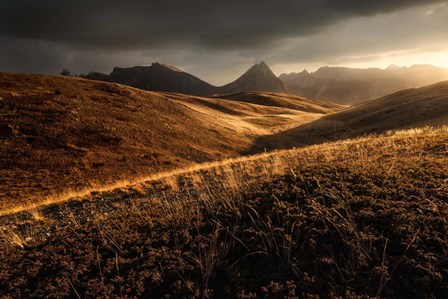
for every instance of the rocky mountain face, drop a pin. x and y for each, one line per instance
(350, 85)
(161, 77)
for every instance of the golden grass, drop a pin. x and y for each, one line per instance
(267, 164)
(12, 237)
(90, 130)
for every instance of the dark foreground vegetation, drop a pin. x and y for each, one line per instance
(357, 219)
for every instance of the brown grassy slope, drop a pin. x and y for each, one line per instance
(285, 101)
(62, 133)
(405, 109)
(59, 134)
(265, 119)
(362, 218)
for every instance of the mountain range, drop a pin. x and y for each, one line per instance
(340, 85)
(162, 77)
(351, 85)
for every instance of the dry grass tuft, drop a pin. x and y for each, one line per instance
(12, 237)
(36, 214)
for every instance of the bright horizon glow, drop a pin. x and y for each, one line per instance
(400, 59)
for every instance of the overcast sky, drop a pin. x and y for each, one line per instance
(219, 40)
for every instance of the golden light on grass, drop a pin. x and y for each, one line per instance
(266, 164)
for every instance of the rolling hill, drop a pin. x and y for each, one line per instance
(406, 109)
(59, 134)
(283, 100)
(410, 108)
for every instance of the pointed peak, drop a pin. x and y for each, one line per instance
(258, 78)
(263, 66)
(260, 67)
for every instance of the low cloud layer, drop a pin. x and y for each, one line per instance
(43, 36)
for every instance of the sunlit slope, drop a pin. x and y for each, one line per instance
(284, 100)
(60, 133)
(255, 115)
(405, 109)
(411, 108)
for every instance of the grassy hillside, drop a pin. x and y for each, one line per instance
(59, 134)
(62, 133)
(282, 112)
(411, 108)
(359, 218)
(285, 101)
(408, 108)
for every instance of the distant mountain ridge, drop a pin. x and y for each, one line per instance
(341, 85)
(162, 77)
(350, 85)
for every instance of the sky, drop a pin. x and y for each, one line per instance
(219, 40)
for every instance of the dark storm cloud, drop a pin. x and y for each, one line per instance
(215, 40)
(130, 25)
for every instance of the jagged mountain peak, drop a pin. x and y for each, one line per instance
(258, 78)
(262, 67)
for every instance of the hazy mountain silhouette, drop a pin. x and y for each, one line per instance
(162, 77)
(350, 85)
(340, 85)
(258, 78)
(96, 76)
